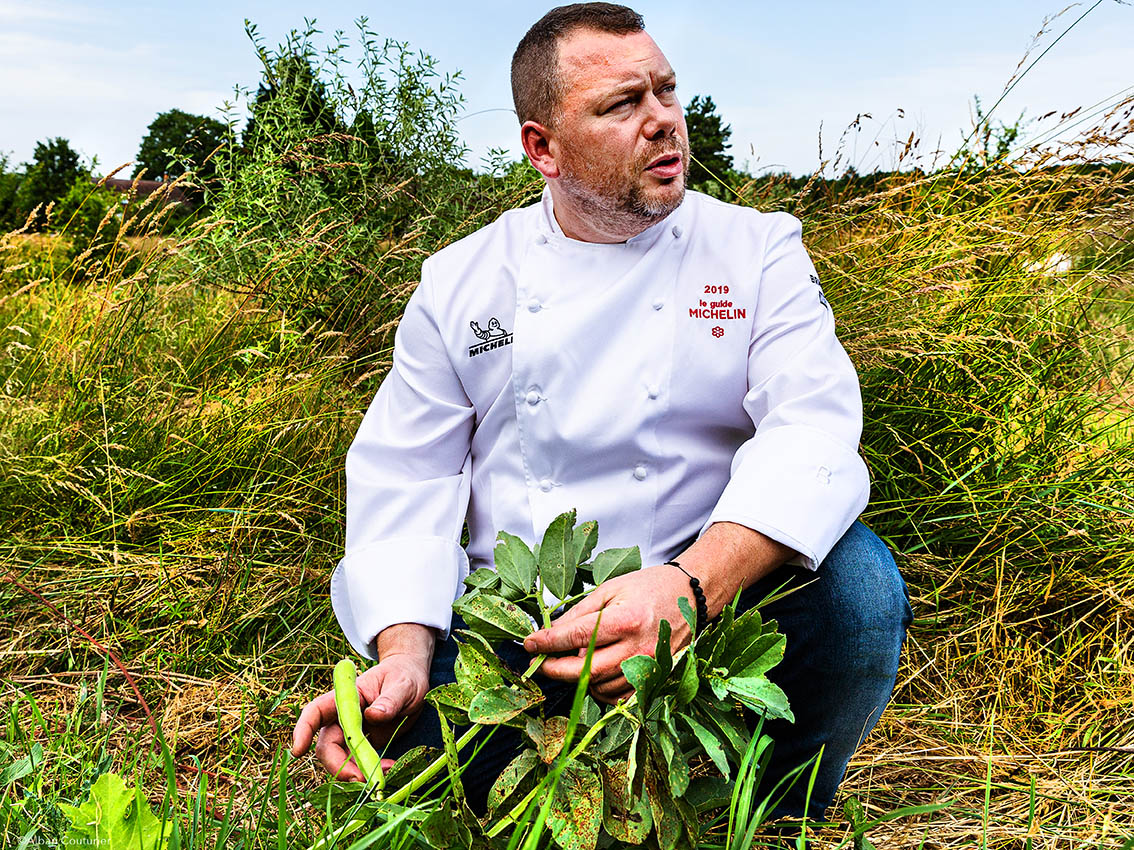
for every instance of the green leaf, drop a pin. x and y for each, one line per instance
(761, 694)
(686, 608)
(516, 780)
(663, 808)
(556, 555)
(663, 653)
(21, 767)
(710, 744)
(409, 765)
(677, 765)
(635, 762)
(643, 674)
(515, 562)
(627, 819)
(502, 703)
(591, 711)
(709, 792)
(576, 809)
(761, 655)
(585, 537)
(547, 736)
(616, 734)
(616, 562)
(444, 829)
(452, 700)
(727, 727)
(495, 618)
(114, 818)
(482, 579)
(753, 647)
(478, 670)
(719, 686)
(687, 687)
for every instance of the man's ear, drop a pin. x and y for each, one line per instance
(536, 139)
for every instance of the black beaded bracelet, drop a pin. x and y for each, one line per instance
(702, 605)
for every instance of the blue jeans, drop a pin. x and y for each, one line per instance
(845, 626)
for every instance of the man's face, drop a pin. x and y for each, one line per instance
(619, 135)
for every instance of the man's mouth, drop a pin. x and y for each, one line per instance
(666, 166)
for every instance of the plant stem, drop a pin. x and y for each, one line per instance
(430, 771)
(538, 660)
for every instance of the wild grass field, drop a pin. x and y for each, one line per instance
(175, 409)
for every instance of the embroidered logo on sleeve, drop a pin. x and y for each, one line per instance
(491, 338)
(822, 297)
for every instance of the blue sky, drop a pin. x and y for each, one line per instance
(99, 72)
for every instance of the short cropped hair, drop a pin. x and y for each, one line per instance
(536, 83)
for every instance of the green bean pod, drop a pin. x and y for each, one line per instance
(350, 719)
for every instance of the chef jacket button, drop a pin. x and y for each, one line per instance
(677, 231)
(541, 239)
(658, 303)
(652, 391)
(532, 397)
(640, 472)
(545, 485)
(534, 305)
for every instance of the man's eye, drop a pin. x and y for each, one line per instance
(620, 103)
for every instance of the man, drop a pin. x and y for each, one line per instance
(662, 362)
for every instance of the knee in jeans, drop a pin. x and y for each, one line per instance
(873, 608)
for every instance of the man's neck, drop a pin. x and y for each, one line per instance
(594, 226)
(579, 228)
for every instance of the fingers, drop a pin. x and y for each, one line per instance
(574, 634)
(332, 752)
(596, 600)
(315, 715)
(606, 664)
(397, 694)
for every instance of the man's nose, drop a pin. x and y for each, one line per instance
(661, 119)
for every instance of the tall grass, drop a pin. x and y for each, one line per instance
(175, 410)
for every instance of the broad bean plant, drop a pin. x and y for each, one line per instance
(640, 772)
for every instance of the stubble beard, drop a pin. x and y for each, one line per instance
(619, 201)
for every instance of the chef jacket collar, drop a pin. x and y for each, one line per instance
(672, 224)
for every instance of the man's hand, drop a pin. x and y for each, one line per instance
(726, 557)
(632, 606)
(392, 692)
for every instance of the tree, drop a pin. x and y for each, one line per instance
(708, 141)
(290, 92)
(55, 169)
(190, 138)
(9, 184)
(82, 208)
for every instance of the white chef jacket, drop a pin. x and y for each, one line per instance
(687, 376)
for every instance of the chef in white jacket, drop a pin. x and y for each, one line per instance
(663, 362)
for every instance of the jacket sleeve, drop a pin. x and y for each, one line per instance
(407, 490)
(799, 478)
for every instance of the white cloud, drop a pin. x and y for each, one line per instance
(24, 12)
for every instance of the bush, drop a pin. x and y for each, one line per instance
(83, 208)
(341, 190)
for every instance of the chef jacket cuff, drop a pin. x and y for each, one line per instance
(798, 485)
(397, 580)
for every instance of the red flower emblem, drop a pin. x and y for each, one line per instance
(718, 331)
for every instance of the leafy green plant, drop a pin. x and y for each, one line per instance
(115, 818)
(630, 775)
